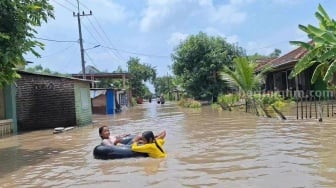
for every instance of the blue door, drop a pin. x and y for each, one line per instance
(110, 101)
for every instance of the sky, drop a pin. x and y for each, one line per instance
(152, 29)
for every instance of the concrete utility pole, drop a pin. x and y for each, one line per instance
(80, 37)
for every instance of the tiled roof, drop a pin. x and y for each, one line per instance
(289, 59)
(262, 62)
(291, 56)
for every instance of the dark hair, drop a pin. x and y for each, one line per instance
(100, 130)
(149, 136)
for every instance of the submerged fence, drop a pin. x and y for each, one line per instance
(315, 107)
(6, 127)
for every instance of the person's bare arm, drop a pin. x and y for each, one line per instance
(162, 135)
(137, 138)
(124, 135)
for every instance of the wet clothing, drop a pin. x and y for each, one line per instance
(110, 141)
(151, 149)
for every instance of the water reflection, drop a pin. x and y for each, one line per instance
(206, 148)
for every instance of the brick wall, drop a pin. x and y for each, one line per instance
(44, 102)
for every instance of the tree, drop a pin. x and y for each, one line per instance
(321, 49)
(242, 75)
(163, 85)
(276, 53)
(197, 60)
(140, 73)
(17, 22)
(39, 69)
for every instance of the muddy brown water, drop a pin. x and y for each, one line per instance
(206, 148)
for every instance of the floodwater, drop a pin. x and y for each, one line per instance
(206, 148)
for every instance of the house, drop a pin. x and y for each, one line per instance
(107, 101)
(123, 95)
(47, 101)
(277, 79)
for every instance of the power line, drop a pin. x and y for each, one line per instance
(102, 38)
(117, 54)
(138, 53)
(87, 54)
(53, 54)
(52, 40)
(97, 42)
(108, 38)
(111, 48)
(67, 8)
(74, 5)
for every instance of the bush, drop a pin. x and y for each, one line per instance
(226, 101)
(189, 103)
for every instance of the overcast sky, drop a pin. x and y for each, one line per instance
(151, 29)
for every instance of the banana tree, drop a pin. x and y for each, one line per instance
(321, 49)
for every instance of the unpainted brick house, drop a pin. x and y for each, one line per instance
(46, 101)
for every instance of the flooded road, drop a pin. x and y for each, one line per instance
(206, 148)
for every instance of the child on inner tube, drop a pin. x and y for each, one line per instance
(150, 144)
(108, 139)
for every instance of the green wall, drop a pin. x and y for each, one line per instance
(10, 104)
(83, 103)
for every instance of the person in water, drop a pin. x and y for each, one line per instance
(150, 144)
(108, 139)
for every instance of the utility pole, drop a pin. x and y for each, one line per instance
(80, 37)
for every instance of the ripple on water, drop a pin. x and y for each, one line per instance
(206, 148)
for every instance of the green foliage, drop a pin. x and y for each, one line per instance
(322, 49)
(228, 100)
(269, 99)
(17, 22)
(242, 75)
(197, 61)
(140, 73)
(40, 70)
(163, 85)
(276, 53)
(189, 103)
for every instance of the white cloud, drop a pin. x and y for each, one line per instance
(287, 2)
(227, 14)
(214, 32)
(258, 47)
(176, 38)
(176, 12)
(109, 11)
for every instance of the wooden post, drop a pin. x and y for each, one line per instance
(278, 112)
(310, 106)
(306, 97)
(332, 109)
(320, 113)
(327, 108)
(301, 107)
(315, 108)
(297, 107)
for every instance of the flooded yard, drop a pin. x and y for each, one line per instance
(206, 148)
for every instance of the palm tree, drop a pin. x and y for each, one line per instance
(242, 75)
(321, 50)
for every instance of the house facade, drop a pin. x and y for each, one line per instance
(46, 101)
(277, 79)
